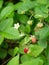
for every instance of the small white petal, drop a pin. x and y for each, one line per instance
(16, 25)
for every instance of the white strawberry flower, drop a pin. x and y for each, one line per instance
(16, 26)
(40, 24)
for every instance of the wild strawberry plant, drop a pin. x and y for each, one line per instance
(24, 32)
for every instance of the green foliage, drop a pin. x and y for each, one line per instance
(13, 52)
(41, 11)
(21, 24)
(3, 53)
(44, 30)
(7, 11)
(11, 33)
(8, 23)
(35, 50)
(42, 1)
(1, 3)
(33, 62)
(1, 39)
(24, 6)
(25, 58)
(14, 61)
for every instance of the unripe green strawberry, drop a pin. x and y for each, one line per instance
(30, 22)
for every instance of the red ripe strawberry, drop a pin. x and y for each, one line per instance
(25, 50)
(34, 40)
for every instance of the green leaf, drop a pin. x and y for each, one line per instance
(37, 61)
(13, 52)
(18, 5)
(42, 1)
(4, 45)
(3, 53)
(47, 19)
(6, 24)
(25, 0)
(11, 33)
(22, 28)
(36, 50)
(1, 39)
(43, 33)
(41, 11)
(25, 29)
(26, 57)
(47, 55)
(7, 11)
(22, 7)
(1, 3)
(45, 30)
(42, 43)
(21, 49)
(25, 40)
(23, 19)
(14, 61)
